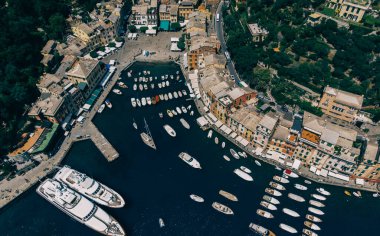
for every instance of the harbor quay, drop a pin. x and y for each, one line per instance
(130, 52)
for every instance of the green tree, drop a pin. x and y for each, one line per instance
(143, 29)
(132, 29)
(56, 27)
(175, 26)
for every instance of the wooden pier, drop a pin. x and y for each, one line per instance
(102, 143)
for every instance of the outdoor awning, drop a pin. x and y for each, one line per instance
(212, 117)
(218, 124)
(165, 25)
(244, 142)
(151, 31)
(201, 121)
(233, 135)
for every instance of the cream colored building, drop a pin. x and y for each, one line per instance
(352, 10)
(87, 72)
(340, 104)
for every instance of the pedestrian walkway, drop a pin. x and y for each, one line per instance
(102, 143)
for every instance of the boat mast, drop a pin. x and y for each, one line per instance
(148, 132)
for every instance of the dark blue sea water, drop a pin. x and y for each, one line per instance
(158, 184)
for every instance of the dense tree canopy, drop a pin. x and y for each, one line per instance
(345, 58)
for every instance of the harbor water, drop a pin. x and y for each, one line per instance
(157, 183)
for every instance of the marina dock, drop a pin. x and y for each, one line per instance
(104, 146)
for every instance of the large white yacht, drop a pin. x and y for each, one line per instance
(89, 187)
(79, 207)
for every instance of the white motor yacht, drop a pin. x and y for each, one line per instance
(89, 187)
(79, 208)
(189, 160)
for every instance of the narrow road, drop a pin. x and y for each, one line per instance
(223, 46)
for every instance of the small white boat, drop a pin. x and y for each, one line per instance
(141, 87)
(245, 169)
(273, 192)
(226, 158)
(318, 197)
(174, 112)
(179, 94)
(150, 79)
(163, 84)
(108, 103)
(271, 199)
(308, 232)
(152, 86)
(280, 179)
(240, 154)
(184, 92)
(161, 97)
(244, 154)
(268, 205)
(290, 212)
(288, 228)
(234, 153)
(264, 214)
(170, 114)
(191, 161)
(376, 195)
(101, 108)
(171, 77)
(170, 96)
(296, 197)
(222, 208)
(316, 203)
(216, 140)
(313, 218)
(183, 109)
(167, 83)
(184, 123)
(117, 91)
(196, 198)
(290, 173)
(223, 144)
(257, 163)
(160, 115)
(121, 85)
(175, 94)
(209, 135)
(243, 175)
(170, 130)
(228, 195)
(159, 85)
(143, 101)
(134, 124)
(307, 181)
(138, 102)
(145, 87)
(260, 230)
(323, 191)
(300, 187)
(315, 211)
(161, 223)
(192, 113)
(278, 168)
(135, 79)
(277, 186)
(133, 101)
(178, 110)
(357, 194)
(189, 107)
(311, 225)
(166, 97)
(135, 87)
(148, 101)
